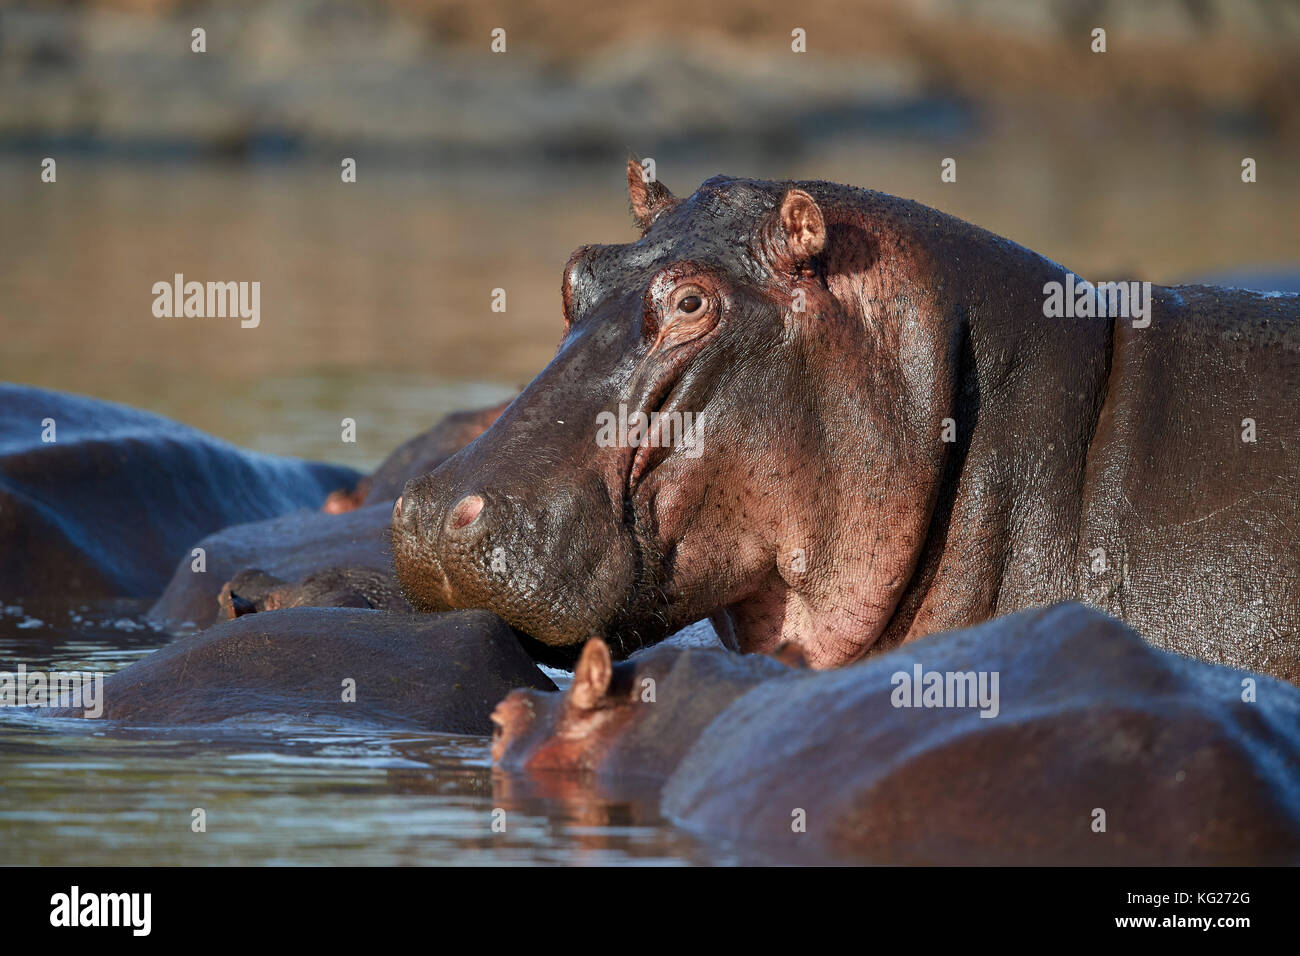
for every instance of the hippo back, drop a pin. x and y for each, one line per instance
(440, 672)
(100, 500)
(1191, 510)
(1102, 750)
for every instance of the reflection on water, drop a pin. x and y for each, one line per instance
(376, 305)
(95, 793)
(292, 796)
(376, 296)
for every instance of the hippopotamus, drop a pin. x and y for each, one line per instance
(441, 672)
(336, 557)
(289, 549)
(817, 413)
(98, 500)
(966, 747)
(254, 590)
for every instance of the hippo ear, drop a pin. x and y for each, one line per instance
(649, 199)
(790, 653)
(803, 224)
(592, 675)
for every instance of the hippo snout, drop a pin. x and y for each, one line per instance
(554, 560)
(420, 510)
(427, 527)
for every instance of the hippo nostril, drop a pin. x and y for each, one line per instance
(465, 513)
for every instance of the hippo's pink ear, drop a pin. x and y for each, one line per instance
(803, 224)
(592, 675)
(649, 199)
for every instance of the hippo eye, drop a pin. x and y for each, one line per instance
(686, 311)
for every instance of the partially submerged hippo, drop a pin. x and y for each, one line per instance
(99, 500)
(440, 672)
(868, 430)
(291, 549)
(254, 590)
(1055, 736)
(339, 558)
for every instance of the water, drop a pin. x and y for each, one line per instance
(99, 793)
(376, 306)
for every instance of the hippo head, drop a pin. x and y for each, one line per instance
(636, 717)
(736, 425)
(570, 730)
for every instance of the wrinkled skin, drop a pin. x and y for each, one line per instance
(433, 672)
(1185, 769)
(110, 506)
(826, 506)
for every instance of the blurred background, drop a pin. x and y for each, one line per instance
(479, 170)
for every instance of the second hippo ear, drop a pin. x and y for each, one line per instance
(649, 198)
(592, 675)
(803, 224)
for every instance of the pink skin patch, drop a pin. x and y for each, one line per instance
(466, 510)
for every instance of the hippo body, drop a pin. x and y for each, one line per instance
(339, 557)
(109, 506)
(290, 548)
(1084, 716)
(892, 438)
(438, 672)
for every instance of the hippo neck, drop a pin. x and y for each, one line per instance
(993, 520)
(1005, 527)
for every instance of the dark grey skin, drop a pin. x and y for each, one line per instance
(290, 549)
(441, 672)
(108, 508)
(1190, 762)
(823, 437)
(251, 591)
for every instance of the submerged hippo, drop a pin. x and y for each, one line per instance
(962, 748)
(339, 558)
(291, 549)
(432, 672)
(101, 500)
(868, 430)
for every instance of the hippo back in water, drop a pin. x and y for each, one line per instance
(101, 500)
(306, 553)
(1049, 736)
(439, 672)
(896, 428)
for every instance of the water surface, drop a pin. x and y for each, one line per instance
(376, 306)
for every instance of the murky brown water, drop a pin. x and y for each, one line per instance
(78, 792)
(376, 296)
(376, 306)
